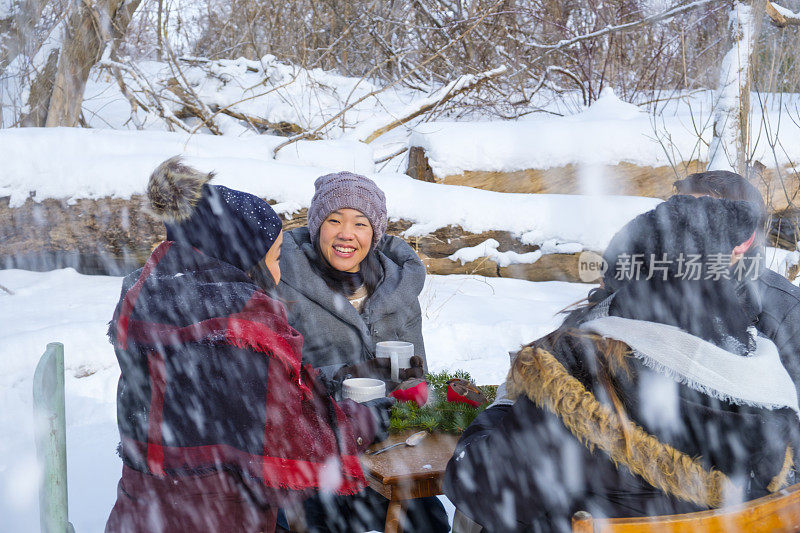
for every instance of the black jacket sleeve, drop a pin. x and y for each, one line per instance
(507, 470)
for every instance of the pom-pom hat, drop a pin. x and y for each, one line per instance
(233, 226)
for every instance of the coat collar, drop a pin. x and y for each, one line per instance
(758, 380)
(403, 274)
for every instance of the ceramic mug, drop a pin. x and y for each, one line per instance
(363, 389)
(399, 354)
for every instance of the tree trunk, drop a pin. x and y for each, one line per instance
(89, 30)
(41, 89)
(731, 136)
(17, 29)
(160, 31)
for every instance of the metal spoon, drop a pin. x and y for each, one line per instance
(412, 440)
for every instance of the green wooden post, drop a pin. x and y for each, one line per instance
(51, 439)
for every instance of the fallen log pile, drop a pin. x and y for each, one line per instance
(115, 236)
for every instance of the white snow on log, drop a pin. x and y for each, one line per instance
(608, 132)
(788, 14)
(90, 163)
(489, 249)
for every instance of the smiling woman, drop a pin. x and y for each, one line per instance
(348, 286)
(345, 237)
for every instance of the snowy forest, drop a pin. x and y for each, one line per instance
(513, 153)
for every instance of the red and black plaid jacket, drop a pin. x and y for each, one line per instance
(212, 380)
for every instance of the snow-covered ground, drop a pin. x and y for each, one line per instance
(469, 323)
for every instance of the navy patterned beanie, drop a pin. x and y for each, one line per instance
(233, 226)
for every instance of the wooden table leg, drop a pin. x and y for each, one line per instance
(394, 517)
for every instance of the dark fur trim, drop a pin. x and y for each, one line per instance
(542, 378)
(174, 189)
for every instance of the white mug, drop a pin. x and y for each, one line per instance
(399, 354)
(363, 389)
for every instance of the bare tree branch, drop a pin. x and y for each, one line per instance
(621, 27)
(461, 85)
(392, 84)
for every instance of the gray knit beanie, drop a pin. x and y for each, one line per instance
(347, 190)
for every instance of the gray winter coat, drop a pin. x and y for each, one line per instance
(334, 333)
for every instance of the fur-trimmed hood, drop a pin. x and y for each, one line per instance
(539, 374)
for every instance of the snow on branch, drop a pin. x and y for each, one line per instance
(782, 17)
(620, 27)
(459, 86)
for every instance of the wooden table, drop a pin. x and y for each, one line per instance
(407, 472)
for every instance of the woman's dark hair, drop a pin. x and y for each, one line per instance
(370, 271)
(661, 288)
(261, 276)
(723, 184)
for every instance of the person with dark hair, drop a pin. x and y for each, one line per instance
(722, 184)
(348, 286)
(771, 299)
(657, 397)
(220, 421)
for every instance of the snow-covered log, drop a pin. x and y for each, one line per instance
(781, 16)
(114, 236)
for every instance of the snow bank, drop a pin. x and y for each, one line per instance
(609, 132)
(86, 163)
(83, 163)
(781, 260)
(267, 89)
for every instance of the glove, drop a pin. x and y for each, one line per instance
(415, 371)
(381, 410)
(371, 368)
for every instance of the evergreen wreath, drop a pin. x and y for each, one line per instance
(439, 415)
